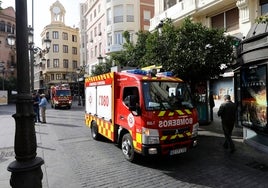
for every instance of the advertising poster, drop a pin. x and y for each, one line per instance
(254, 98)
(3, 97)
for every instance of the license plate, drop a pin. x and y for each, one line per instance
(177, 151)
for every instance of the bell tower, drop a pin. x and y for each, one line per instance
(57, 13)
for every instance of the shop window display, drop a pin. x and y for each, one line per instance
(254, 98)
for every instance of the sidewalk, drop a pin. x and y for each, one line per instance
(56, 173)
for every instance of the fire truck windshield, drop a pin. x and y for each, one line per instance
(163, 95)
(63, 93)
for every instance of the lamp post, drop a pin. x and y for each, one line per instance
(26, 169)
(36, 50)
(78, 71)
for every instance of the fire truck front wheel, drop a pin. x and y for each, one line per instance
(94, 131)
(127, 147)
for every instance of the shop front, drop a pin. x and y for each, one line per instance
(251, 87)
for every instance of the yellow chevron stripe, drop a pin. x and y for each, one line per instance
(162, 113)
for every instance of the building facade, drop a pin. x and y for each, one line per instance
(60, 63)
(7, 52)
(103, 23)
(248, 85)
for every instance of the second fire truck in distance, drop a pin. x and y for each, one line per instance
(143, 114)
(60, 96)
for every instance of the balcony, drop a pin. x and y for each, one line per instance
(113, 48)
(186, 8)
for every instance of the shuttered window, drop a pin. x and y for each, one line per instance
(228, 20)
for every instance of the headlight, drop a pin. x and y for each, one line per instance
(195, 130)
(150, 136)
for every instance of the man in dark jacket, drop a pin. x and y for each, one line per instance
(227, 112)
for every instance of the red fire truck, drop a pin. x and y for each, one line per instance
(60, 96)
(142, 114)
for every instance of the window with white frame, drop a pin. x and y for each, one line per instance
(58, 77)
(118, 38)
(130, 13)
(146, 15)
(109, 16)
(109, 39)
(55, 48)
(56, 63)
(55, 34)
(118, 14)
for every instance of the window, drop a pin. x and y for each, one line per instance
(2, 26)
(56, 63)
(95, 13)
(133, 93)
(264, 7)
(74, 50)
(58, 77)
(147, 15)
(100, 47)
(65, 49)
(48, 63)
(55, 48)
(65, 36)
(95, 31)
(130, 13)
(99, 28)
(65, 63)
(74, 38)
(118, 38)
(52, 77)
(109, 39)
(74, 64)
(9, 28)
(118, 14)
(96, 51)
(55, 35)
(109, 16)
(228, 20)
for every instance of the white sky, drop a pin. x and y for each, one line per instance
(42, 14)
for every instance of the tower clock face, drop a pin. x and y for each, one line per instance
(56, 10)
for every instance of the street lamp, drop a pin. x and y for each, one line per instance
(26, 169)
(100, 58)
(33, 50)
(36, 50)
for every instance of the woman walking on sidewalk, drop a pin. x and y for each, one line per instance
(43, 107)
(227, 112)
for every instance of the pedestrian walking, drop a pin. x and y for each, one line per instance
(211, 105)
(43, 105)
(227, 112)
(36, 101)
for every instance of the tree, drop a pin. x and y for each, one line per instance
(199, 52)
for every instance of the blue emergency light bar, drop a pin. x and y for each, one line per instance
(165, 74)
(137, 71)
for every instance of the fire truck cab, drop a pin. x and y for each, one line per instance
(143, 114)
